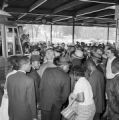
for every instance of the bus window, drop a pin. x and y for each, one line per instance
(0, 41)
(9, 38)
(17, 42)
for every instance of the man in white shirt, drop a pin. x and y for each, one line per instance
(111, 56)
(110, 52)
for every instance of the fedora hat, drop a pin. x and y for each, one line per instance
(78, 54)
(35, 58)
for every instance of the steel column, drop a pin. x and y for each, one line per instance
(51, 34)
(73, 31)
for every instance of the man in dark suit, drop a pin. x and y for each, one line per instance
(35, 62)
(96, 80)
(54, 91)
(21, 93)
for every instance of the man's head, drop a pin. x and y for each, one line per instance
(35, 61)
(110, 52)
(91, 66)
(13, 62)
(99, 51)
(50, 55)
(24, 63)
(62, 63)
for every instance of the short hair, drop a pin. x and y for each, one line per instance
(79, 71)
(112, 49)
(50, 54)
(13, 62)
(23, 60)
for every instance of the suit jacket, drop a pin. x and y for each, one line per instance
(54, 88)
(44, 66)
(113, 95)
(35, 76)
(21, 95)
(96, 80)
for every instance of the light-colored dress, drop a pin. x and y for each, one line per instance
(4, 104)
(85, 110)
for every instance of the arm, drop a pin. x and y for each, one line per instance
(66, 88)
(31, 97)
(114, 96)
(92, 81)
(80, 97)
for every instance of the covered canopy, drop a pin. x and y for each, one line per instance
(62, 12)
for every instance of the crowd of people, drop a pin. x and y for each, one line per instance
(50, 79)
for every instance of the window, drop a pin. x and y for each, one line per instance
(61, 34)
(91, 34)
(9, 39)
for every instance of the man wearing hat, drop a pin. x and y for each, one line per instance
(35, 62)
(97, 60)
(77, 57)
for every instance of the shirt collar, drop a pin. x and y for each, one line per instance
(112, 58)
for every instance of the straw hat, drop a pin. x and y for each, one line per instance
(78, 54)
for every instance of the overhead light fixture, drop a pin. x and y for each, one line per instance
(37, 4)
(5, 13)
(44, 21)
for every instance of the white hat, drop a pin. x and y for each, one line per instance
(78, 54)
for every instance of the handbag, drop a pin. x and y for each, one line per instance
(69, 113)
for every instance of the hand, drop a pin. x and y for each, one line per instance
(71, 97)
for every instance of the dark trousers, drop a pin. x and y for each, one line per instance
(54, 114)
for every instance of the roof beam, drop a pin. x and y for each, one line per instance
(16, 10)
(92, 9)
(86, 18)
(102, 1)
(106, 13)
(21, 16)
(60, 18)
(37, 4)
(67, 6)
(33, 7)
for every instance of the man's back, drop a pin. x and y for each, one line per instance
(21, 95)
(44, 66)
(54, 88)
